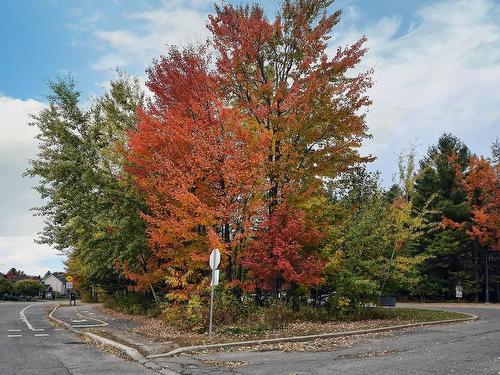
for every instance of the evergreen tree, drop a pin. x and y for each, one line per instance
(451, 255)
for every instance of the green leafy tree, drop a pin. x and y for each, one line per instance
(92, 211)
(29, 287)
(371, 241)
(5, 287)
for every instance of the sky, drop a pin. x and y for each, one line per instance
(436, 69)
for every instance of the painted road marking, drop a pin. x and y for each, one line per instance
(41, 334)
(14, 336)
(101, 322)
(79, 321)
(14, 330)
(25, 320)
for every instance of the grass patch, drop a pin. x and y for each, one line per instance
(412, 314)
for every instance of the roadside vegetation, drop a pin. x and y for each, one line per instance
(252, 145)
(14, 286)
(272, 322)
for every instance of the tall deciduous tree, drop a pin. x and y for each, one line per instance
(199, 163)
(92, 209)
(310, 105)
(279, 73)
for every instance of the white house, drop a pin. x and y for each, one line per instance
(56, 281)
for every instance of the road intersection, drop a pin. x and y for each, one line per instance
(33, 346)
(29, 344)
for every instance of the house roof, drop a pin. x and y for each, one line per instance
(58, 275)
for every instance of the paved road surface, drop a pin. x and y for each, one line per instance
(35, 347)
(469, 348)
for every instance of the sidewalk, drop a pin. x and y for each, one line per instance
(87, 318)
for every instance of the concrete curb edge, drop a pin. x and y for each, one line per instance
(189, 349)
(127, 350)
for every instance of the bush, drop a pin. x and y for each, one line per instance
(313, 314)
(192, 315)
(276, 316)
(231, 307)
(128, 303)
(5, 287)
(29, 287)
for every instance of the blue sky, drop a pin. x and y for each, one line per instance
(437, 69)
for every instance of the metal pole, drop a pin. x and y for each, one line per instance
(211, 308)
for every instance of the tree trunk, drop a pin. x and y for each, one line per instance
(145, 269)
(476, 273)
(486, 277)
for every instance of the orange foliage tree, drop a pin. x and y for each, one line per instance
(309, 103)
(198, 162)
(228, 155)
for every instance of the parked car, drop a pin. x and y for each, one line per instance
(11, 297)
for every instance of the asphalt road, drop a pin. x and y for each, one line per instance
(33, 346)
(30, 345)
(466, 348)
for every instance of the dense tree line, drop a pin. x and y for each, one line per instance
(250, 145)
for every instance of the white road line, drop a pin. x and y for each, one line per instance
(25, 320)
(103, 323)
(41, 334)
(14, 330)
(14, 336)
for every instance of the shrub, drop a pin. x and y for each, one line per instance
(128, 303)
(276, 316)
(29, 287)
(192, 315)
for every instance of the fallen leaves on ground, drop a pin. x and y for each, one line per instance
(226, 364)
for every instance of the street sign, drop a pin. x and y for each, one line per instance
(458, 291)
(214, 259)
(215, 278)
(69, 278)
(214, 262)
(69, 285)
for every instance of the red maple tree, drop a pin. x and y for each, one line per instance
(284, 252)
(198, 161)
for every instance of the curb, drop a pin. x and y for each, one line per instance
(189, 349)
(127, 350)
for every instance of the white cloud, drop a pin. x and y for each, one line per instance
(17, 145)
(109, 62)
(440, 75)
(18, 227)
(22, 253)
(175, 23)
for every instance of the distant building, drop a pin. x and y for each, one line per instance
(56, 281)
(46, 292)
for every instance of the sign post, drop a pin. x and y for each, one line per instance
(214, 263)
(69, 288)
